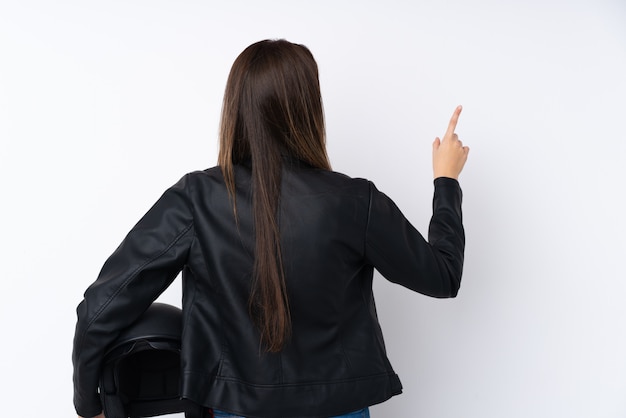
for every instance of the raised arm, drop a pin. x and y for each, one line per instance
(399, 252)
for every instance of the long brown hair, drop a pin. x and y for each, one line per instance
(272, 108)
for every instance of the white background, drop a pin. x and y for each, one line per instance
(103, 105)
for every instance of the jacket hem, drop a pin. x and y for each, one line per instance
(295, 400)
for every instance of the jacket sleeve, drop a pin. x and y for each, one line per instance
(401, 254)
(140, 269)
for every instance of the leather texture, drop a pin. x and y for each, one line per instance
(335, 230)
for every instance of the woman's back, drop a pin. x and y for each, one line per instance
(334, 231)
(335, 355)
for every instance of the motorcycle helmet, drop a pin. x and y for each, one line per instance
(141, 371)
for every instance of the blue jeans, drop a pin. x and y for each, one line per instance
(363, 413)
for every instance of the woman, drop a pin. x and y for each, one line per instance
(277, 254)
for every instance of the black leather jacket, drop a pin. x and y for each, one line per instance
(335, 230)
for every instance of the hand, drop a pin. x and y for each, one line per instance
(449, 154)
(101, 415)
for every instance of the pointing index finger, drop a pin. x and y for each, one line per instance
(453, 121)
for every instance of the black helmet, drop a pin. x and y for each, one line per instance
(141, 372)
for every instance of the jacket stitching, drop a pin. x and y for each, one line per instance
(367, 223)
(338, 381)
(129, 278)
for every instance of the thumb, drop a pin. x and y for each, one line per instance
(436, 144)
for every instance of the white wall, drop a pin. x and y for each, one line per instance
(105, 104)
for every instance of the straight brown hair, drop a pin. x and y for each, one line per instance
(272, 110)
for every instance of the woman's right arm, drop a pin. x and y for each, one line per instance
(145, 263)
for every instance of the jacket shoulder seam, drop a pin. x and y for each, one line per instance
(129, 278)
